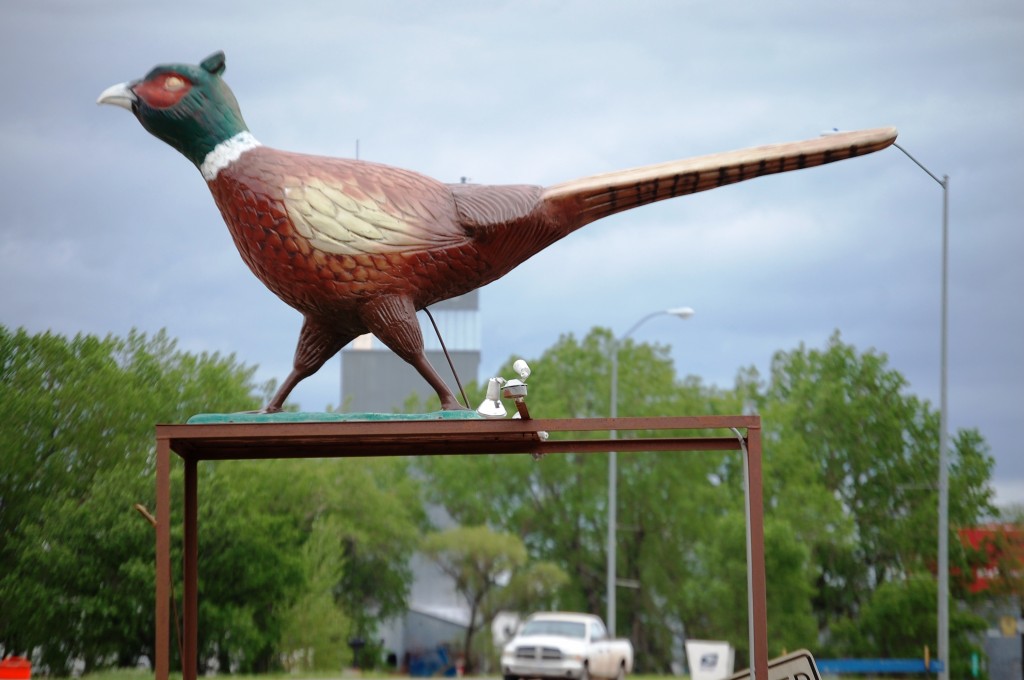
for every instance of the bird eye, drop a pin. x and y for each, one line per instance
(163, 90)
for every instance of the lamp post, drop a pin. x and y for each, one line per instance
(682, 313)
(943, 568)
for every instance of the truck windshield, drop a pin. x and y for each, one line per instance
(570, 629)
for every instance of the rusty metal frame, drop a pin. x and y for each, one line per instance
(268, 440)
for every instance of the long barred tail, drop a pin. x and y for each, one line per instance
(592, 198)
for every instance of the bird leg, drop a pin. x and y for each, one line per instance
(393, 320)
(316, 345)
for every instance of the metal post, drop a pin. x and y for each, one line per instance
(613, 481)
(267, 440)
(944, 447)
(190, 604)
(161, 645)
(943, 547)
(613, 476)
(758, 615)
(751, 636)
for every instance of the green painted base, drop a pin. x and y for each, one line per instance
(311, 417)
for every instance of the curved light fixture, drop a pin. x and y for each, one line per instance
(612, 581)
(491, 407)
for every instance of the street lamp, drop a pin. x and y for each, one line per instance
(943, 568)
(682, 313)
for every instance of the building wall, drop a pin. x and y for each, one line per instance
(424, 632)
(375, 380)
(1004, 657)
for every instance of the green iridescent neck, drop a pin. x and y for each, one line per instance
(202, 120)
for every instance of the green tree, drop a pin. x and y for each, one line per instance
(381, 510)
(279, 540)
(534, 587)
(886, 627)
(83, 582)
(558, 505)
(851, 463)
(78, 451)
(716, 603)
(297, 536)
(250, 561)
(314, 626)
(479, 561)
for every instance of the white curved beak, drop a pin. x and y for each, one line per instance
(118, 95)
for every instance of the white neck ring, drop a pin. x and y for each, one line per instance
(226, 153)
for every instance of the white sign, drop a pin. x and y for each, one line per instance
(796, 666)
(709, 659)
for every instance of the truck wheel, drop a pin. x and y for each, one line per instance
(510, 677)
(621, 674)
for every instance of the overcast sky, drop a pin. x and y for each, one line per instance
(104, 228)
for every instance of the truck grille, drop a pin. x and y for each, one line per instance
(546, 653)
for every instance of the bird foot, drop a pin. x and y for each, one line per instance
(452, 404)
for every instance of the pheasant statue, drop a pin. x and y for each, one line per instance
(359, 247)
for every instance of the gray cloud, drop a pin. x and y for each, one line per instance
(104, 228)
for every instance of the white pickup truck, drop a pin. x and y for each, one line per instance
(562, 645)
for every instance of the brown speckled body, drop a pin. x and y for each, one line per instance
(446, 257)
(445, 242)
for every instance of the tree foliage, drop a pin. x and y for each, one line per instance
(298, 556)
(330, 536)
(78, 452)
(865, 452)
(489, 569)
(281, 541)
(558, 505)
(884, 629)
(850, 463)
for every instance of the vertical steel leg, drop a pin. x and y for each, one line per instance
(161, 645)
(758, 587)
(189, 662)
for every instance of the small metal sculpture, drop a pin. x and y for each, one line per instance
(359, 247)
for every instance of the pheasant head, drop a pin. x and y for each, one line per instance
(189, 107)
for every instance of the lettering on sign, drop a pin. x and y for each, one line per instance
(796, 666)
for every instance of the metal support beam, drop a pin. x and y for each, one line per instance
(270, 439)
(161, 648)
(190, 568)
(943, 546)
(758, 593)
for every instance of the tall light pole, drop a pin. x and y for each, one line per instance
(682, 313)
(943, 568)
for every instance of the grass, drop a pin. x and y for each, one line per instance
(143, 674)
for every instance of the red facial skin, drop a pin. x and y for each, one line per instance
(163, 90)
